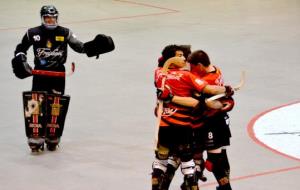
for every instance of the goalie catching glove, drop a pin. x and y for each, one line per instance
(99, 45)
(20, 66)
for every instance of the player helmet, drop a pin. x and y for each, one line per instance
(49, 16)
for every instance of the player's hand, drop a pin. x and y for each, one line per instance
(229, 91)
(20, 66)
(228, 104)
(165, 94)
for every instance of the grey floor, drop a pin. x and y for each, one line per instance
(109, 132)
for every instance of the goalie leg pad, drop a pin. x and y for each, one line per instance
(34, 105)
(57, 108)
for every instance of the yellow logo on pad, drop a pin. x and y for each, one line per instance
(59, 38)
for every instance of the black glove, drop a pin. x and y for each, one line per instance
(201, 106)
(228, 104)
(20, 66)
(99, 45)
(164, 95)
(229, 91)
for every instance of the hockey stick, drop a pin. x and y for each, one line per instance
(54, 73)
(236, 88)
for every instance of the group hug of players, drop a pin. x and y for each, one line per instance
(186, 128)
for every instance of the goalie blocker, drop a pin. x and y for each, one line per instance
(99, 45)
(44, 118)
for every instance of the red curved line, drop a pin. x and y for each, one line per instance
(255, 175)
(147, 5)
(166, 11)
(252, 135)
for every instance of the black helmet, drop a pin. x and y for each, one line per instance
(49, 11)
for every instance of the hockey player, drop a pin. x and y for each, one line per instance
(211, 128)
(173, 161)
(50, 42)
(175, 133)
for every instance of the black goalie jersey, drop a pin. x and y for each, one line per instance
(49, 46)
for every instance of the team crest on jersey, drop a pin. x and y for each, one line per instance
(49, 44)
(59, 38)
(168, 111)
(200, 82)
(36, 38)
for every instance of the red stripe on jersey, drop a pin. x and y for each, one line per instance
(212, 78)
(35, 117)
(55, 102)
(182, 83)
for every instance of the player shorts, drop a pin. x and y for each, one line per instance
(214, 134)
(177, 139)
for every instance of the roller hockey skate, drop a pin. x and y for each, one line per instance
(200, 176)
(190, 183)
(52, 144)
(36, 148)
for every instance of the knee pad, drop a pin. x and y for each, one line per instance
(160, 165)
(162, 153)
(174, 162)
(216, 165)
(188, 168)
(213, 161)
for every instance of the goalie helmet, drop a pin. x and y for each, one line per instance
(49, 17)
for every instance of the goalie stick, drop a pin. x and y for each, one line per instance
(54, 73)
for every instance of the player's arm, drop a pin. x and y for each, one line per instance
(192, 102)
(74, 43)
(23, 46)
(167, 96)
(225, 104)
(215, 89)
(199, 85)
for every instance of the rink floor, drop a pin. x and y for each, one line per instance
(109, 131)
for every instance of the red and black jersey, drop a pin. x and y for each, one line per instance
(212, 78)
(181, 83)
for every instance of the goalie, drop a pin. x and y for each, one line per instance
(50, 42)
